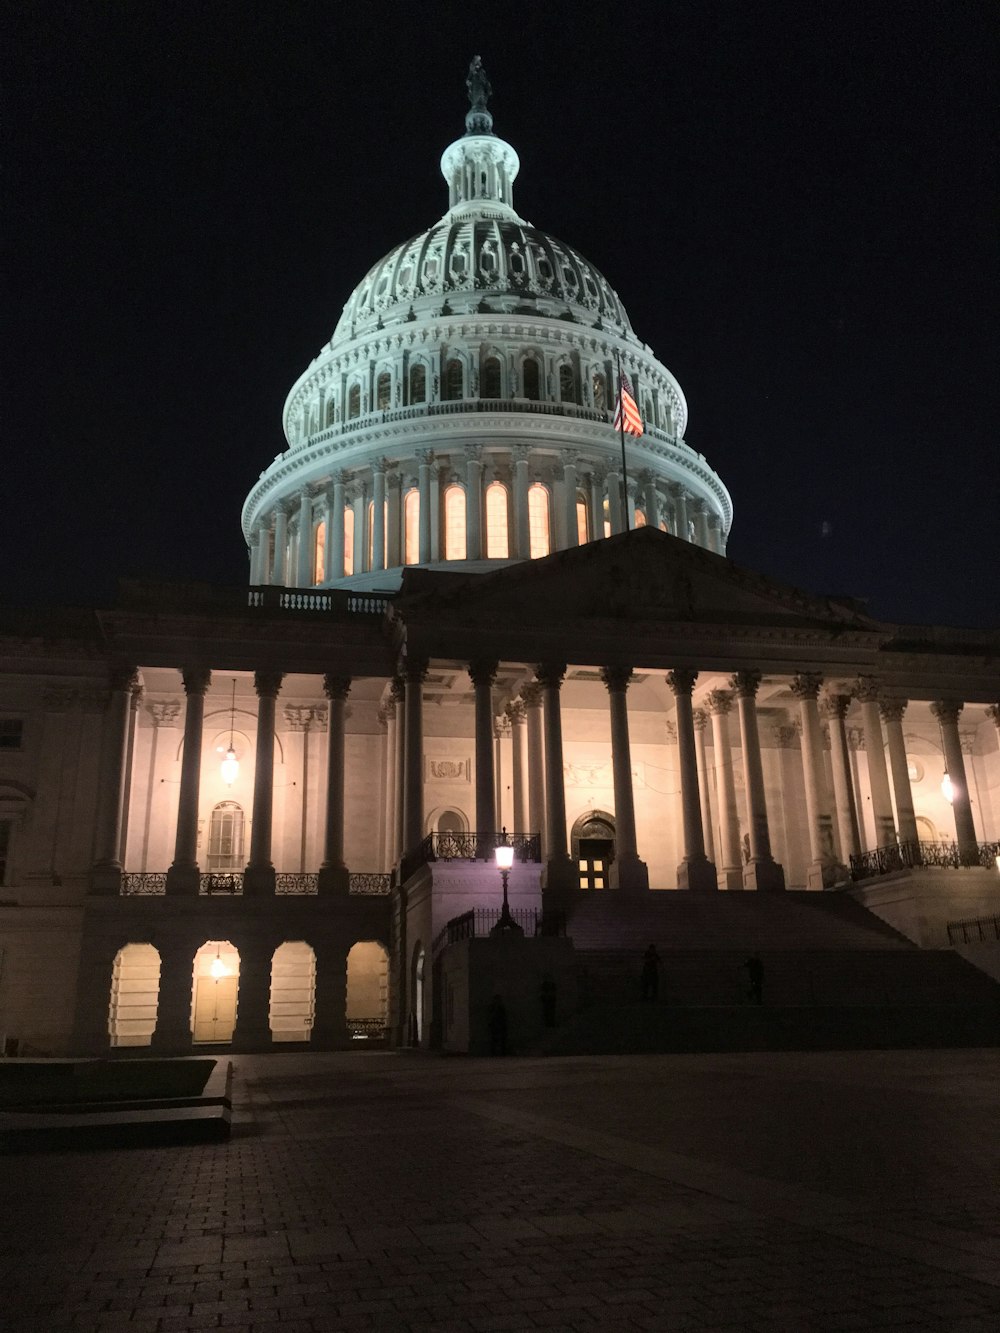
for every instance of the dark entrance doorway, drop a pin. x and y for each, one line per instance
(594, 850)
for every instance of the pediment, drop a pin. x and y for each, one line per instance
(642, 576)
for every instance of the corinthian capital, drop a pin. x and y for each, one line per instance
(551, 674)
(947, 710)
(616, 678)
(892, 710)
(682, 681)
(806, 685)
(719, 701)
(746, 683)
(836, 705)
(866, 690)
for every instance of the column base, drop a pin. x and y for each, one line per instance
(764, 876)
(106, 880)
(258, 882)
(825, 875)
(699, 876)
(333, 880)
(183, 881)
(731, 878)
(633, 876)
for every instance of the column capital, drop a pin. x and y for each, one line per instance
(482, 671)
(425, 457)
(531, 694)
(806, 685)
(267, 683)
(677, 490)
(616, 678)
(993, 713)
(196, 679)
(866, 690)
(501, 726)
(835, 705)
(516, 710)
(947, 710)
(520, 453)
(397, 689)
(473, 453)
(745, 683)
(700, 719)
(719, 701)
(385, 712)
(682, 681)
(124, 678)
(892, 710)
(336, 687)
(551, 674)
(380, 465)
(416, 670)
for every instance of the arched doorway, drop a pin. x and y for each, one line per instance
(135, 989)
(214, 992)
(417, 1009)
(927, 830)
(367, 991)
(593, 841)
(292, 1009)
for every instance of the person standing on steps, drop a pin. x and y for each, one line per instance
(649, 981)
(755, 971)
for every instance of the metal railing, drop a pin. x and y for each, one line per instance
(470, 847)
(974, 931)
(909, 855)
(367, 1029)
(333, 601)
(287, 883)
(221, 881)
(295, 882)
(143, 884)
(365, 883)
(479, 921)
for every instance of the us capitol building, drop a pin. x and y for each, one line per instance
(232, 820)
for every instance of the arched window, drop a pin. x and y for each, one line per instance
(454, 381)
(640, 519)
(292, 1010)
(647, 411)
(214, 991)
(349, 540)
(489, 385)
(454, 523)
(567, 384)
(531, 379)
(135, 990)
(600, 392)
(582, 519)
(319, 553)
(371, 533)
(225, 837)
(663, 525)
(411, 527)
(607, 519)
(331, 412)
(383, 392)
(497, 547)
(354, 401)
(367, 990)
(418, 384)
(538, 520)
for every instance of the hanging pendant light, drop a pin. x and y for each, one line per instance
(947, 786)
(231, 765)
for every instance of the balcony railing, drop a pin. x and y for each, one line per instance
(470, 847)
(908, 855)
(221, 881)
(295, 882)
(143, 884)
(366, 883)
(287, 883)
(975, 931)
(477, 923)
(332, 601)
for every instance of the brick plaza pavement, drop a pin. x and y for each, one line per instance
(828, 1191)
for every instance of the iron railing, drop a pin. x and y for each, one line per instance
(470, 847)
(287, 883)
(295, 882)
(369, 884)
(974, 931)
(479, 921)
(221, 881)
(334, 601)
(367, 1029)
(908, 855)
(144, 884)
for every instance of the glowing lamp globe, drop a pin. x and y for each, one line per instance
(948, 789)
(505, 857)
(230, 767)
(218, 968)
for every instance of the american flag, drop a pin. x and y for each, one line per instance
(627, 416)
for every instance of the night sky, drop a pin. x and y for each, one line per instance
(795, 201)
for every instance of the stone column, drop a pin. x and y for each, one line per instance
(394, 536)
(716, 542)
(435, 512)
(501, 728)
(570, 482)
(531, 694)
(762, 872)
(867, 692)
(947, 712)
(335, 529)
(719, 704)
(424, 458)
(522, 540)
(389, 845)
(680, 510)
(836, 706)
(183, 877)
(696, 871)
(483, 674)
(700, 513)
(651, 498)
(597, 475)
(255, 544)
(378, 514)
(517, 713)
(473, 502)
(333, 875)
(823, 870)
(107, 869)
(615, 509)
(259, 876)
(304, 573)
(558, 869)
(892, 711)
(278, 575)
(253, 997)
(399, 695)
(704, 781)
(172, 1034)
(413, 775)
(632, 874)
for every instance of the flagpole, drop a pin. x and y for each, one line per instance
(621, 431)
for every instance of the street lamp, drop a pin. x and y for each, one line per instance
(505, 859)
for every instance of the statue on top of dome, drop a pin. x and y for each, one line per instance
(478, 84)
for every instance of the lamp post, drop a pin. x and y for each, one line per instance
(505, 859)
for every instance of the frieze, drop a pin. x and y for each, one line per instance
(448, 770)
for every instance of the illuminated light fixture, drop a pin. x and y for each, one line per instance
(231, 765)
(218, 968)
(504, 854)
(948, 788)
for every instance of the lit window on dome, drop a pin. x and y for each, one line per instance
(319, 554)
(371, 534)
(600, 392)
(418, 384)
(497, 542)
(411, 527)
(383, 392)
(490, 381)
(454, 523)
(582, 520)
(354, 401)
(640, 519)
(538, 520)
(454, 381)
(531, 379)
(349, 540)
(567, 384)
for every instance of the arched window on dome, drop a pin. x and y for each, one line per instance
(411, 527)
(454, 381)
(454, 523)
(647, 412)
(607, 518)
(582, 518)
(489, 385)
(600, 391)
(640, 518)
(532, 379)
(567, 384)
(497, 533)
(354, 401)
(538, 520)
(418, 384)
(319, 553)
(383, 392)
(331, 412)
(349, 540)
(371, 533)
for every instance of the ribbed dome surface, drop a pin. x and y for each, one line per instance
(513, 267)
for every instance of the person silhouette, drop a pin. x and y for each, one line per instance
(649, 981)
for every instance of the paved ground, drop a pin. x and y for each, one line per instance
(766, 1192)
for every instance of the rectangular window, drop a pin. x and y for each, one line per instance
(11, 733)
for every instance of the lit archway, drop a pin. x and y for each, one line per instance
(292, 1010)
(367, 991)
(214, 992)
(454, 523)
(135, 990)
(593, 841)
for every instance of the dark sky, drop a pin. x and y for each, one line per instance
(796, 202)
